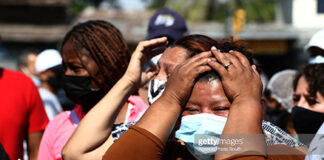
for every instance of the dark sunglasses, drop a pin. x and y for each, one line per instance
(310, 99)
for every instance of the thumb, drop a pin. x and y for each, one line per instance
(147, 76)
(151, 74)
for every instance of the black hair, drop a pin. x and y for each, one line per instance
(314, 74)
(197, 43)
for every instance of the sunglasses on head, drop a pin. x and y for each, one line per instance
(310, 99)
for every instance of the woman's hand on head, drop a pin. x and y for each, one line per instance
(182, 79)
(144, 51)
(239, 78)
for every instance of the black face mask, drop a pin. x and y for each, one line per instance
(306, 121)
(79, 90)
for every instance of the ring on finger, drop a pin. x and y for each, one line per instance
(227, 65)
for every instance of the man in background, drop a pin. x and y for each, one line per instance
(315, 48)
(49, 68)
(164, 23)
(26, 65)
(22, 115)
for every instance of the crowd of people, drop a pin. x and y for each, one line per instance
(177, 96)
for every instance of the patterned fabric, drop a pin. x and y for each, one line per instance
(120, 129)
(275, 135)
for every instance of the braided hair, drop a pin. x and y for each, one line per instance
(106, 46)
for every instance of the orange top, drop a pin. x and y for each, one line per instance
(139, 144)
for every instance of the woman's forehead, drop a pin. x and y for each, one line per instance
(175, 54)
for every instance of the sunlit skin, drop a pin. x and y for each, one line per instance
(29, 69)
(301, 91)
(31, 60)
(74, 67)
(207, 97)
(170, 59)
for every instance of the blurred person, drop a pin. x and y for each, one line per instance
(166, 23)
(95, 56)
(315, 48)
(279, 99)
(49, 70)
(163, 23)
(22, 114)
(316, 147)
(202, 101)
(308, 110)
(26, 65)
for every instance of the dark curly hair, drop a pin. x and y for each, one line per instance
(314, 74)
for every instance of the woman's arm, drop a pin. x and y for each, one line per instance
(242, 85)
(90, 139)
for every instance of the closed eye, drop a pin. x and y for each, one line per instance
(191, 110)
(220, 108)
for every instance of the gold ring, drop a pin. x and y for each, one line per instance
(227, 65)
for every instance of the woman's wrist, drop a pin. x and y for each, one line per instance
(126, 84)
(247, 100)
(169, 100)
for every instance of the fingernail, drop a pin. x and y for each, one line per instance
(209, 60)
(213, 48)
(230, 51)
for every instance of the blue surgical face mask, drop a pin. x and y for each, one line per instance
(155, 90)
(316, 60)
(36, 80)
(201, 134)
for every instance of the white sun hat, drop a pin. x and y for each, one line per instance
(47, 59)
(317, 40)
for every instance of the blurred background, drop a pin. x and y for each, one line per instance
(276, 30)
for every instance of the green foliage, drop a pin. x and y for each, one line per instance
(220, 12)
(78, 6)
(155, 4)
(258, 11)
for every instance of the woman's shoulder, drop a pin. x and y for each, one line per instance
(280, 151)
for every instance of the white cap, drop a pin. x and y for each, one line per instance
(317, 40)
(47, 59)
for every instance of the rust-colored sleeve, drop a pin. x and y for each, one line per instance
(275, 152)
(136, 144)
(249, 155)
